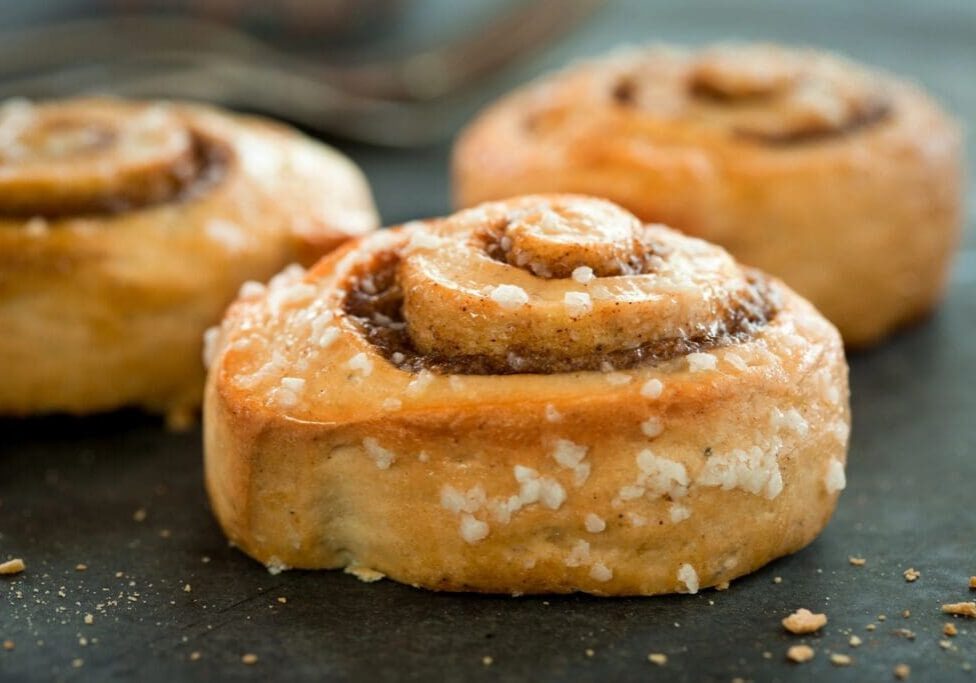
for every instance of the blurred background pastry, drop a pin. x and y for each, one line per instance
(125, 229)
(844, 181)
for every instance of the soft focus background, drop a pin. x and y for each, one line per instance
(389, 82)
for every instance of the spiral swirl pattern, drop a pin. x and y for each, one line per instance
(72, 158)
(550, 284)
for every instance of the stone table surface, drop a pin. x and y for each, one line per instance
(168, 586)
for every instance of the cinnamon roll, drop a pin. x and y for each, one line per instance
(127, 227)
(843, 181)
(532, 396)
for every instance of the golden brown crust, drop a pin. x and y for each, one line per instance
(844, 182)
(325, 450)
(127, 227)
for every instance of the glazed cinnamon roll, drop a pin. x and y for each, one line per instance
(532, 396)
(127, 227)
(843, 181)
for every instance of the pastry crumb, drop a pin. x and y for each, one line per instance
(657, 658)
(77, 663)
(590, 652)
(961, 609)
(777, 579)
(8, 645)
(800, 653)
(904, 633)
(902, 671)
(14, 566)
(282, 599)
(804, 621)
(906, 613)
(487, 660)
(81, 567)
(870, 627)
(139, 515)
(89, 619)
(249, 658)
(195, 655)
(365, 574)
(187, 588)
(911, 574)
(837, 659)
(950, 629)
(857, 561)
(855, 641)
(972, 583)
(724, 586)
(945, 644)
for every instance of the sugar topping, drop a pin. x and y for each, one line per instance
(835, 479)
(594, 523)
(361, 363)
(791, 420)
(579, 554)
(700, 362)
(551, 493)
(660, 476)
(652, 388)
(689, 577)
(652, 427)
(381, 456)
(600, 572)
(251, 289)
(568, 454)
(472, 530)
(577, 303)
(583, 275)
(509, 297)
(287, 394)
(754, 470)
(679, 513)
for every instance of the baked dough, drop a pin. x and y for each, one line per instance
(125, 230)
(540, 395)
(844, 182)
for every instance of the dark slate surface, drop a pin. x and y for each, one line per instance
(69, 490)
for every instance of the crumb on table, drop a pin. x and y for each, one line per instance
(14, 566)
(902, 671)
(804, 621)
(837, 659)
(657, 658)
(961, 609)
(911, 574)
(800, 653)
(950, 629)
(857, 561)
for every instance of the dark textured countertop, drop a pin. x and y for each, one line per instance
(168, 586)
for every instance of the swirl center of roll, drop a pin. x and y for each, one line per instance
(80, 158)
(555, 240)
(447, 302)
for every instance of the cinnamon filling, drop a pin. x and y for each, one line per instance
(374, 301)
